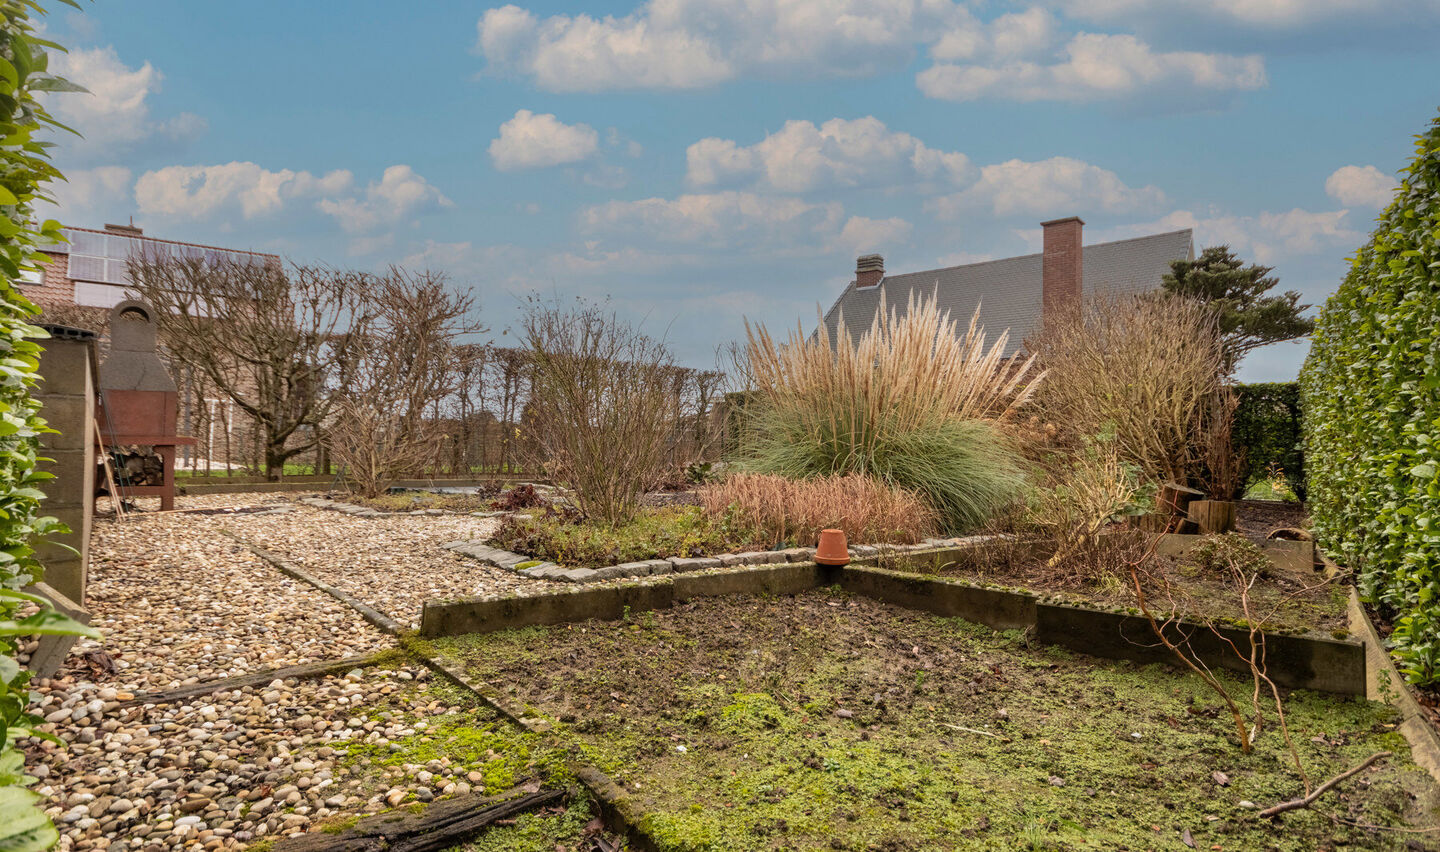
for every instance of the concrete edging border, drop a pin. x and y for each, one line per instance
(1389, 686)
(1298, 662)
(379, 619)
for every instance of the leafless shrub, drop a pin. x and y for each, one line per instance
(262, 334)
(1224, 466)
(401, 361)
(1141, 371)
(1073, 512)
(794, 510)
(600, 406)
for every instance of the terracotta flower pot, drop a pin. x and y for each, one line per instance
(832, 549)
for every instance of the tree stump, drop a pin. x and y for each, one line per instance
(1213, 516)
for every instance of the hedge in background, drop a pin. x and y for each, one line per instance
(24, 168)
(1371, 394)
(1267, 431)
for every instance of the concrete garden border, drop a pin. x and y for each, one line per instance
(541, 570)
(1297, 662)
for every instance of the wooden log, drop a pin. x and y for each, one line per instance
(1175, 499)
(1213, 516)
(441, 826)
(304, 671)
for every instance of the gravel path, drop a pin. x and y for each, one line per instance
(392, 563)
(177, 601)
(223, 770)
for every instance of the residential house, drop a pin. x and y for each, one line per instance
(1014, 293)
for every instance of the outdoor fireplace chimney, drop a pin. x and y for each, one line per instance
(1062, 264)
(869, 269)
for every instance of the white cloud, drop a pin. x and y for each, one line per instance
(1095, 66)
(86, 192)
(682, 44)
(1053, 187)
(1267, 237)
(1261, 13)
(201, 191)
(801, 157)
(399, 193)
(735, 220)
(1361, 186)
(1014, 36)
(116, 113)
(530, 141)
(862, 234)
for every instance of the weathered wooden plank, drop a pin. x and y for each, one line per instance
(319, 668)
(442, 825)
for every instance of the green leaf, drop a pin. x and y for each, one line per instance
(23, 826)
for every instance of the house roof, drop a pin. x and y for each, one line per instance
(64, 248)
(1008, 291)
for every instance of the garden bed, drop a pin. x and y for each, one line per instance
(829, 721)
(1283, 600)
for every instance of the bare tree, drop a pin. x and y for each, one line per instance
(402, 362)
(263, 334)
(600, 405)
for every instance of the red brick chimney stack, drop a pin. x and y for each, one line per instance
(869, 269)
(1063, 263)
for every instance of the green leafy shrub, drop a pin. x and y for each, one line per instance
(565, 539)
(24, 168)
(962, 468)
(1267, 433)
(1370, 390)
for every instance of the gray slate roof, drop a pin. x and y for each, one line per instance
(1008, 290)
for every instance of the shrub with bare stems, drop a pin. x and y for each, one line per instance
(1142, 371)
(790, 510)
(601, 405)
(1097, 489)
(912, 402)
(401, 362)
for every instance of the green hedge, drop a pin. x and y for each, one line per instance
(1371, 394)
(24, 169)
(1267, 431)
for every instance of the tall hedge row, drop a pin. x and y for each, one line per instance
(24, 170)
(1371, 394)
(1267, 432)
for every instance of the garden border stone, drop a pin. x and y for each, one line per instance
(1297, 662)
(1389, 686)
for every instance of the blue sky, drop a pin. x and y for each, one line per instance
(702, 161)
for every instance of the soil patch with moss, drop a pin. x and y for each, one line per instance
(563, 538)
(827, 721)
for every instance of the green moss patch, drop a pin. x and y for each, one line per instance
(830, 722)
(654, 534)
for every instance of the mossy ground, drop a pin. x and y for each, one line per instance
(560, 829)
(451, 726)
(830, 722)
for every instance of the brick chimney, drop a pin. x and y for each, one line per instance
(869, 269)
(1063, 263)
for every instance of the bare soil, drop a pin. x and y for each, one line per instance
(826, 721)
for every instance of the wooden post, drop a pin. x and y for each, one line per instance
(1175, 499)
(1213, 516)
